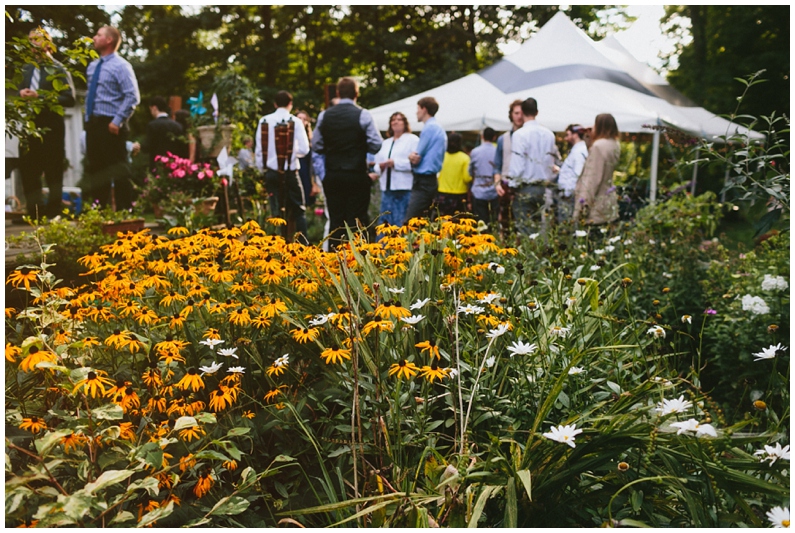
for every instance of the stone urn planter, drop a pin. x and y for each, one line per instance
(212, 145)
(205, 206)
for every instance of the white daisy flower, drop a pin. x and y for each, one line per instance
(559, 331)
(490, 361)
(599, 251)
(580, 233)
(774, 453)
(779, 517)
(452, 372)
(609, 248)
(667, 275)
(658, 379)
(419, 304)
(657, 331)
(594, 268)
(652, 241)
(412, 320)
(228, 352)
(212, 369)
(693, 426)
(212, 343)
(319, 320)
(470, 309)
(498, 331)
(769, 352)
(564, 434)
(627, 242)
(236, 370)
(573, 371)
(612, 240)
(490, 298)
(521, 348)
(667, 407)
(533, 236)
(397, 291)
(687, 318)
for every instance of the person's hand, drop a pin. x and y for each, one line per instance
(389, 163)
(374, 176)
(415, 158)
(316, 189)
(136, 147)
(113, 129)
(28, 93)
(500, 190)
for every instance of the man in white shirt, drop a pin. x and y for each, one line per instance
(280, 144)
(531, 169)
(570, 170)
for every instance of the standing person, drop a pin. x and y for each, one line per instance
(502, 160)
(311, 188)
(485, 200)
(427, 160)
(570, 170)
(110, 102)
(454, 178)
(187, 145)
(162, 133)
(595, 198)
(45, 155)
(345, 134)
(281, 141)
(393, 167)
(533, 155)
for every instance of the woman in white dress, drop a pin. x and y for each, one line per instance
(393, 169)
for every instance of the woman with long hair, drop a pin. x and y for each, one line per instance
(595, 198)
(393, 169)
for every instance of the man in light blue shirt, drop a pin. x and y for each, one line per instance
(427, 161)
(110, 101)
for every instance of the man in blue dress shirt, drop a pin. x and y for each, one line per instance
(110, 102)
(427, 160)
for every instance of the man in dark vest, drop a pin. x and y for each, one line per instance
(162, 133)
(45, 155)
(345, 134)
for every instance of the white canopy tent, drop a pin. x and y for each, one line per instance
(573, 79)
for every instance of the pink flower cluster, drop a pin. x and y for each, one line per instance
(180, 168)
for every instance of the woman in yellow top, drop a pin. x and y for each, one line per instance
(454, 178)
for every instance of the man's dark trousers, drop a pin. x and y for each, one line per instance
(106, 155)
(423, 192)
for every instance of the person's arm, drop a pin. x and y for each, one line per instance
(191, 148)
(319, 165)
(466, 174)
(400, 155)
(374, 139)
(132, 97)
(317, 136)
(589, 181)
(301, 140)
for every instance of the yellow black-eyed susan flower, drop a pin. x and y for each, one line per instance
(433, 372)
(73, 441)
(33, 424)
(22, 276)
(203, 484)
(36, 356)
(191, 380)
(193, 432)
(430, 347)
(403, 369)
(304, 335)
(93, 384)
(12, 352)
(335, 355)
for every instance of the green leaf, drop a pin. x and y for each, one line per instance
(15, 497)
(206, 418)
(124, 516)
(46, 443)
(339, 451)
(211, 454)
(156, 514)
(230, 505)
(152, 453)
(76, 506)
(108, 412)
(149, 484)
(236, 432)
(511, 510)
(107, 478)
(284, 459)
(185, 422)
(485, 494)
(524, 477)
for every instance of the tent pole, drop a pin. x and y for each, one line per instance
(695, 173)
(655, 158)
